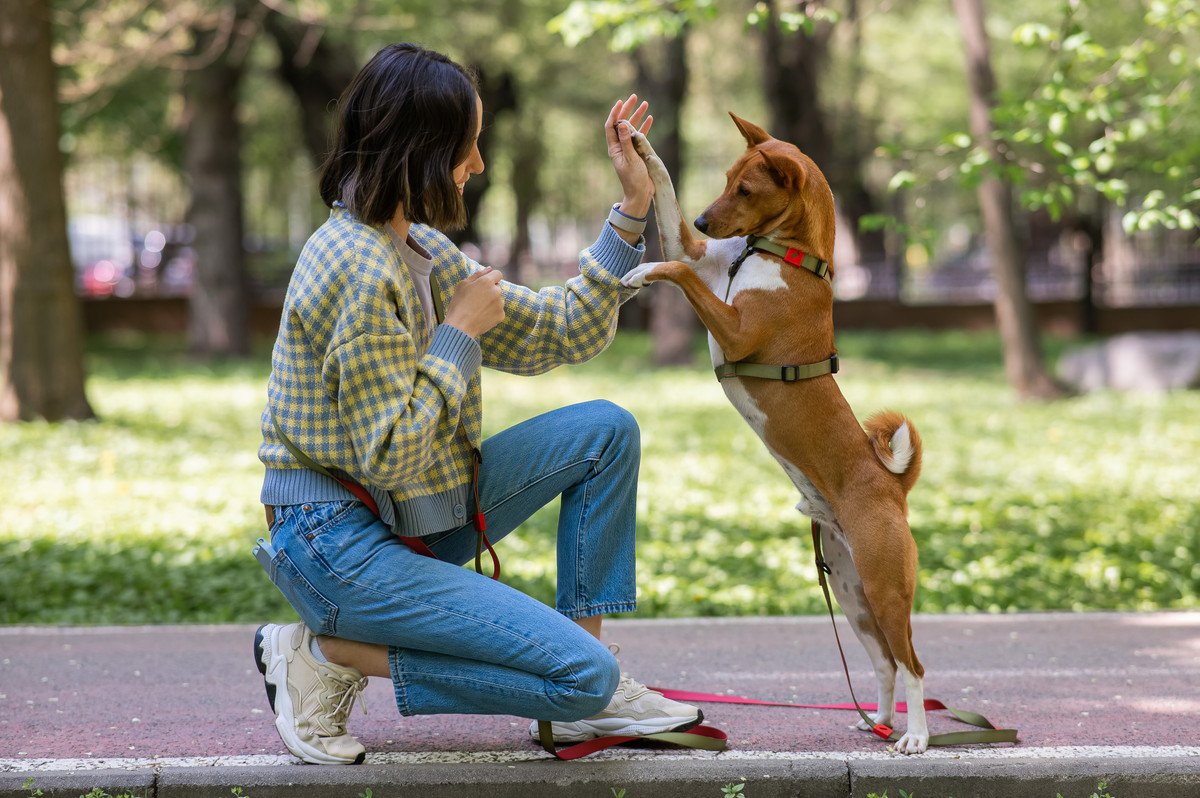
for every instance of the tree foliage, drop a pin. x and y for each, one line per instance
(1100, 106)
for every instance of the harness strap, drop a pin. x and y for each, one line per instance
(785, 373)
(363, 495)
(789, 373)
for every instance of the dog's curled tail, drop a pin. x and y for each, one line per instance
(897, 444)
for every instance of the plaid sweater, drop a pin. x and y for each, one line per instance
(361, 383)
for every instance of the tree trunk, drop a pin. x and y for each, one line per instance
(1014, 312)
(317, 70)
(529, 151)
(219, 299)
(41, 326)
(499, 95)
(793, 64)
(673, 323)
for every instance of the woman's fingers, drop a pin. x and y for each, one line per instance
(613, 116)
(627, 106)
(635, 119)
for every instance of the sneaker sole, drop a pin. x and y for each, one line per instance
(273, 668)
(584, 730)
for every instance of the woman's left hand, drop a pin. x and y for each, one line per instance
(631, 169)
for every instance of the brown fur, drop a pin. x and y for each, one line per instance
(775, 188)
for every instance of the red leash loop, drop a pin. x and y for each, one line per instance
(705, 738)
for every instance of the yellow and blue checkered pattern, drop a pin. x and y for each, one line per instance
(360, 383)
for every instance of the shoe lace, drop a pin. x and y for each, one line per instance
(346, 689)
(631, 687)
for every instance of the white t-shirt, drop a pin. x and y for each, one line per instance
(419, 267)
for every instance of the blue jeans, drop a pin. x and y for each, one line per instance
(459, 642)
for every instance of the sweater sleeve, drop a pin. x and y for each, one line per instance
(563, 324)
(399, 408)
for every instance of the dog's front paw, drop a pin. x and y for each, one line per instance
(913, 743)
(640, 276)
(641, 144)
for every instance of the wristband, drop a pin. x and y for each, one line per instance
(623, 221)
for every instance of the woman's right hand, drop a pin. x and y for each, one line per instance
(478, 304)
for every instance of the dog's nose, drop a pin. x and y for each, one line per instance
(701, 224)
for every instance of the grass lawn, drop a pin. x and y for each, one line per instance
(1090, 503)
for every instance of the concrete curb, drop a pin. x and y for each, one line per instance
(669, 778)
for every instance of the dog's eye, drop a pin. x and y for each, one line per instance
(745, 192)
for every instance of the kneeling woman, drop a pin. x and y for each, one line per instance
(375, 386)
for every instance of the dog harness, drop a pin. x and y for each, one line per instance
(765, 371)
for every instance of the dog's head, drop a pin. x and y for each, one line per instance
(772, 187)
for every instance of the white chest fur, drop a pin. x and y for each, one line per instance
(812, 503)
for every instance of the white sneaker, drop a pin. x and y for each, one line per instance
(315, 699)
(634, 710)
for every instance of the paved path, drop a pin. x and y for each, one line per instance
(181, 710)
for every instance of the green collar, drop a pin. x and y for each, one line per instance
(790, 255)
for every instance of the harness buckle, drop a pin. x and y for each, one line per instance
(833, 363)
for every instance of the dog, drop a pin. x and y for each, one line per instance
(769, 313)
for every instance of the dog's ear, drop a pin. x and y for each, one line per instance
(784, 171)
(753, 134)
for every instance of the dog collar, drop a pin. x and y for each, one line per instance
(790, 255)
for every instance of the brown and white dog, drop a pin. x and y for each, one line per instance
(853, 482)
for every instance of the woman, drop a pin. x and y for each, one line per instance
(376, 389)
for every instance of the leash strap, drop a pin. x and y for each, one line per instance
(704, 738)
(990, 733)
(413, 542)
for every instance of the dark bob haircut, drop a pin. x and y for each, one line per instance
(405, 121)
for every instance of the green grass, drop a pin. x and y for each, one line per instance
(1090, 503)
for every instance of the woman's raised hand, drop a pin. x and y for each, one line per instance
(631, 170)
(477, 305)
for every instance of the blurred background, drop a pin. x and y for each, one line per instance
(1017, 193)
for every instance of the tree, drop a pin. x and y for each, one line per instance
(673, 323)
(219, 302)
(317, 68)
(795, 50)
(1023, 360)
(41, 329)
(656, 40)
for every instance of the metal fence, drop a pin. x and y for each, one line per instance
(129, 239)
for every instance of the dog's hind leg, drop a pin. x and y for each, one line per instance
(885, 552)
(679, 241)
(847, 587)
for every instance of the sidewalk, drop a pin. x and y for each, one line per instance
(181, 711)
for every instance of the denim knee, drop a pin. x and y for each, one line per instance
(619, 424)
(595, 681)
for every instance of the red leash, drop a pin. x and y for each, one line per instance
(702, 737)
(717, 698)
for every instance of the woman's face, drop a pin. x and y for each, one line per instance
(473, 165)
